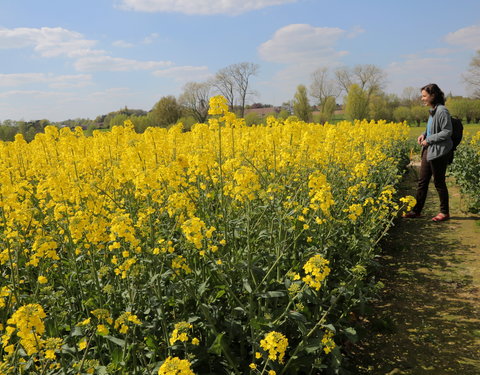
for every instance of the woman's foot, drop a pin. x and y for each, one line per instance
(441, 217)
(411, 215)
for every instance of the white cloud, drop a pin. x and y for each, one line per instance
(122, 44)
(34, 94)
(108, 63)
(419, 70)
(71, 81)
(48, 41)
(301, 43)
(150, 38)
(203, 7)
(356, 31)
(467, 37)
(53, 81)
(184, 73)
(302, 48)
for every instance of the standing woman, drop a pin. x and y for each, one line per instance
(437, 146)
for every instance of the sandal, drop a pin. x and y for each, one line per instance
(441, 217)
(411, 215)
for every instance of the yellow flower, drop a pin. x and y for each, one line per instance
(218, 105)
(327, 341)
(253, 366)
(316, 270)
(195, 341)
(102, 329)
(42, 279)
(180, 332)
(84, 322)
(82, 344)
(50, 354)
(275, 343)
(175, 366)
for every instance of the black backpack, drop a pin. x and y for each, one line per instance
(457, 132)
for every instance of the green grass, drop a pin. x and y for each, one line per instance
(468, 130)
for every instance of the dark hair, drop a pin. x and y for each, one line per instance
(434, 90)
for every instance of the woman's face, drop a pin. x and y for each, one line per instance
(427, 99)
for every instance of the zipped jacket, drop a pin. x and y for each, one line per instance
(440, 138)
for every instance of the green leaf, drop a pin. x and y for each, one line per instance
(76, 331)
(115, 340)
(220, 293)
(202, 288)
(216, 347)
(151, 343)
(273, 294)
(295, 315)
(247, 286)
(351, 334)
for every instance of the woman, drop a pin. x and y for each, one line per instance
(437, 146)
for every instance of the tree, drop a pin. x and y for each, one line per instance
(368, 77)
(327, 109)
(411, 96)
(195, 99)
(356, 103)
(166, 111)
(118, 120)
(241, 74)
(402, 113)
(472, 78)
(233, 82)
(379, 109)
(322, 87)
(419, 114)
(301, 106)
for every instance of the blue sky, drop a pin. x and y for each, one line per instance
(62, 59)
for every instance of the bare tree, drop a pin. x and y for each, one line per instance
(472, 78)
(322, 86)
(368, 77)
(241, 74)
(195, 99)
(225, 85)
(233, 82)
(344, 78)
(411, 95)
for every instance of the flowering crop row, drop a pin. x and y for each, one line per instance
(226, 249)
(466, 169)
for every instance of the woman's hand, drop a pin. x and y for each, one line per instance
(421, 139)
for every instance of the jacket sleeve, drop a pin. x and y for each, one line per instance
(445, 125)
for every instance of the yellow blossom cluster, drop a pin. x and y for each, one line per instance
(27, 323)
(175, 366)
(316, 270)
(327, 342)
(275, 344)
(180, 332)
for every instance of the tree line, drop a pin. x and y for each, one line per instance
(361, 87)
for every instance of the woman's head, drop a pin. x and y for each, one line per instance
(432, 95)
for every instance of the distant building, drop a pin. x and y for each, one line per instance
(263, 112)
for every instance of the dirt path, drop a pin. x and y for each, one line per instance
(427, 318)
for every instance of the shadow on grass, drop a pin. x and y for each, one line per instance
(426, 320)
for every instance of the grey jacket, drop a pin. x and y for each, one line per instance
(440, 139)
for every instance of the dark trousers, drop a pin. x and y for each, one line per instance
(436, 168)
